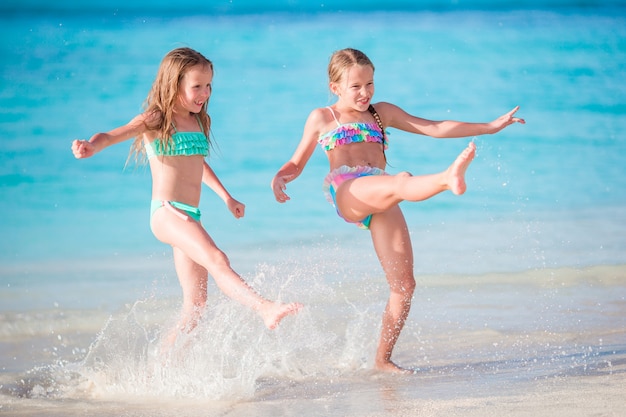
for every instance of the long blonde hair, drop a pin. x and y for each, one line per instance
(159, 104)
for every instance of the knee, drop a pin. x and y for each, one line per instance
(408, 287)
(217, 261)
(402, 179)
(219, 258)
(405, 288)
(403, 176)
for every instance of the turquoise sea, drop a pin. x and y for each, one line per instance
(521, 300)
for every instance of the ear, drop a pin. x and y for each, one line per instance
(334, 88)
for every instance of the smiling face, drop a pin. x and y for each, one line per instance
(355, 88)
(195, 89)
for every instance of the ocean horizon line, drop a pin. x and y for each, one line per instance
(243, 7)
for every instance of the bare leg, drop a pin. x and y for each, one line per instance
(393, 246)
(196, 255)
(363, 196)
(193, 281)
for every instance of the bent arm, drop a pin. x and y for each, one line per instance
(99, 141)
(210, 179)
(294, 167)
(213, 182)
(398, 118)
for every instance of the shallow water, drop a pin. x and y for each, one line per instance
(473, 341)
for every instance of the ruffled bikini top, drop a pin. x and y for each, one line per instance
(346, 133)
(183, 143)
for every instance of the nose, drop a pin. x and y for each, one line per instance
(207, 92)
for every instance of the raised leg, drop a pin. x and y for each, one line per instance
(363, 196)
(197, 254)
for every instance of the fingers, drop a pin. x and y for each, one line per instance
(512, 119)
(509, 118)
(279, 186)
(78, 148)
(512, 112)
(237, 209)
(281, 197)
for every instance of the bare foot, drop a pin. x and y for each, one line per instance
(456, 171)
(273, 313)
(391, 367)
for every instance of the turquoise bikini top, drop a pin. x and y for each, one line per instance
(183, 143)
(346, 133)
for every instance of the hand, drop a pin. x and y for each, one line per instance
(238, 209)
(506, 120)
(82, 149)
(279, 185)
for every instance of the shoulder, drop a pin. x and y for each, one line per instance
(389, 112)
(318, 121)
(152, 120)
(142, 122)
(320, 115)
(148, 123)
(384, 108)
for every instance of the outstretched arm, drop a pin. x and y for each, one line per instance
(210, 179)
(293, 168)
(99, 141)
(398, 118)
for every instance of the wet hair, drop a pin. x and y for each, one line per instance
(342, 60)
(159, 104)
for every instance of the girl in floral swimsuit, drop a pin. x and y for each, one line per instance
(173, 134)
(352, 133)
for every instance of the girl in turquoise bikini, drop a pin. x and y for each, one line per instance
(352, 134)
(173, 133)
